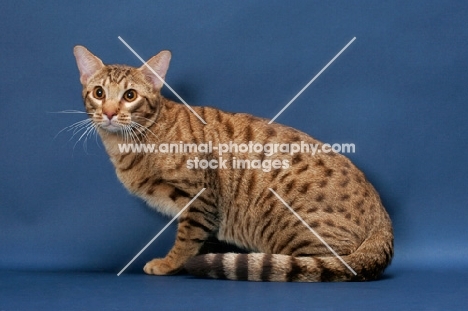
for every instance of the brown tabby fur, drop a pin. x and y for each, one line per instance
(326, 190)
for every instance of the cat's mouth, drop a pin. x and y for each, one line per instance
(110, 125)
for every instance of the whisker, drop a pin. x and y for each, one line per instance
(142, 132)
(137, 116)
(137, 133)
(128, 136)
(144, 127)
(85, 142)
(74, 125)
(152, 121)
(69, 111)
(76, 131)
(79, 128)
(78, 125)
(88, 128)
(96, 136)
(134, 134)
(95, 133)
(121, 132)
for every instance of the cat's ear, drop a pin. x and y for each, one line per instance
(88, 64)
(159, 64)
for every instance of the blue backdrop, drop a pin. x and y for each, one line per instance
(398, 93)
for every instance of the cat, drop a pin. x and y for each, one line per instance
(240, 206)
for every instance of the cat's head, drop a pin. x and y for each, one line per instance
(118, 98)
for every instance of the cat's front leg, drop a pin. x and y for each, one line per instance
(195, 226)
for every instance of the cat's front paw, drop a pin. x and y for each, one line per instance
(160, 266)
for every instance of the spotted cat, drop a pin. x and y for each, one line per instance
(244, 206)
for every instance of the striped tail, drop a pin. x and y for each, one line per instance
(368, 261)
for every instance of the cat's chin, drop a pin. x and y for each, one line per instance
(111, 128)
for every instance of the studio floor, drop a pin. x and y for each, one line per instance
(399, 289)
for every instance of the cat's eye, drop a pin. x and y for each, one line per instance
(130, 95)
(99, 93)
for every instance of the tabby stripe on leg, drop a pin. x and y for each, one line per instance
(195, 223)
(203, 211)
(206, 201)
(176, 193)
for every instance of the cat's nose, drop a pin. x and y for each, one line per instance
(110, 109)
(110, 114)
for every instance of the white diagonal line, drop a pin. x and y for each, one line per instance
(310, 82)
(162, 80)
(161, 231)
(313, 231)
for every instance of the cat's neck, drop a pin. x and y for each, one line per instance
(111, 141)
